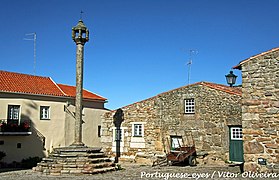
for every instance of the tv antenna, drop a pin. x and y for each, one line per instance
(34, 38)
(192, 53)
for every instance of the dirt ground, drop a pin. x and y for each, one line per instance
(135, 172)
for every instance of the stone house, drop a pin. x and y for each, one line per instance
(207, 112)
(260, 110)
(37, 115)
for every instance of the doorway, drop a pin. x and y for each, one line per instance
(236, 144)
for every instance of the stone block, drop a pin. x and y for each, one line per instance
(158, 146)
(57, 166)
(55, 171)
(216, 140)
(270, 151)
(272, 146)
(247, 124)
(253, 148)
(272, 110)
(69, 166)
(106, 139)
(65, 171)
(55, 174)
(75, 171)
(251, 102)
(253, 167)
(252, 131)
(271, 132)
(263, 125)
(46, 171)
(206, 146)
(209, 125)
(248, 137)
(250, 116)
(275, 104)
(264, 139)
(215, 131)
(249, 157)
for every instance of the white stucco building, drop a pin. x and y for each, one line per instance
(37, 115)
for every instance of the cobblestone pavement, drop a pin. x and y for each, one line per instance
(134, 172)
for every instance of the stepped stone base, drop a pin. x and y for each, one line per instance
(75, 160)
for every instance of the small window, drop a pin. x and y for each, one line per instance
(118, 135)
(99, 131)
(18, 145)
(13, 112)
(189, 106)
(1, 142)
(45, 112)
(236, 133)
(138, 130)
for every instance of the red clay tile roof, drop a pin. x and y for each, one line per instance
(37, 85)
(71, 91)
(227, 89)
(23, 83)
(255, 56)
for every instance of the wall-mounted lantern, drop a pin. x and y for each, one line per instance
(231, 78)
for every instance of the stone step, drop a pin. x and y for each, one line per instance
(101, 165)
(95, 171)
(75, 165)
(103, 159)
(77, 155)
(75, 160)
(75, 149)
(48, 159)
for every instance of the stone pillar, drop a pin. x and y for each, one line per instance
(80, 35)
(79, 87)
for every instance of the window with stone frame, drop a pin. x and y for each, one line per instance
(118, 134)
(44, 112)
(137, 130)
(189, 106)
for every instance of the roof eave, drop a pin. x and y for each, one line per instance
(239, 67)
(29, 94)
(53, 96)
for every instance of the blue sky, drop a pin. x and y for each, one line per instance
(137, 48)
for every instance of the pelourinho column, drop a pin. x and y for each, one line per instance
(80, 35)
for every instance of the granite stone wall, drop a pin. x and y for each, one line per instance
(164, 116)
(260, 81)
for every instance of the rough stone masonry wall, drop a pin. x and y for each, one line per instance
(144, 111)
(260, 81)
(164, 116)
(215, 110)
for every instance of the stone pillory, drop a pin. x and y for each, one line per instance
(80, 35)
(77, 158)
